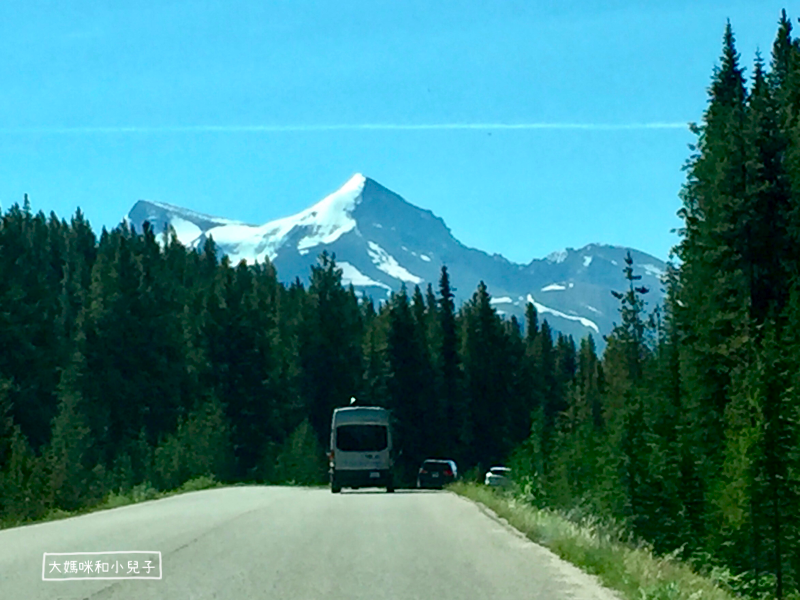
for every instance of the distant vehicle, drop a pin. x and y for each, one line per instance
(498, 477)
(436, 473)
(361, 449)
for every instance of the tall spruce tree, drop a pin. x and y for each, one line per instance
(450, 379)
(330, 346)
(407, 385)
(488, 381)
(713, 282)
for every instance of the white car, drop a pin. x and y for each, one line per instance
(498, 477)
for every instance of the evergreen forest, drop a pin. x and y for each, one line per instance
(127, 359)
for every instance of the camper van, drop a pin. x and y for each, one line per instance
(361, 448)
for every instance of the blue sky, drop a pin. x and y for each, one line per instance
(222, 107)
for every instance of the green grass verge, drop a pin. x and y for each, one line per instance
(139, 493)
(635, 573)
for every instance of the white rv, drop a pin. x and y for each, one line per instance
(361, 448)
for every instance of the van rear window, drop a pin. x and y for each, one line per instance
(361, 438)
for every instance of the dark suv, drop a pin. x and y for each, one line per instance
(435, 473)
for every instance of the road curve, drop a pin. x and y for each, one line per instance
(277, 543)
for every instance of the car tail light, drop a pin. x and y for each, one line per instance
(422, 471)
(448, 473)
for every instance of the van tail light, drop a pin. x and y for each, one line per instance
(448, 473)
(422, 471)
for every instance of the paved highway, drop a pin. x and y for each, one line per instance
(276, 543)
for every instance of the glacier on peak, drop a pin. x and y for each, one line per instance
(323, 223)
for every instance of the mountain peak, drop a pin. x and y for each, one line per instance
(334, 206)
(382, 241)
(356, 181)
(328, 219)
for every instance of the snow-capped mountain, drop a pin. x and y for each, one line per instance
(382, 242)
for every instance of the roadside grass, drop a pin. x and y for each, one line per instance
(633, 571)
(137, 494)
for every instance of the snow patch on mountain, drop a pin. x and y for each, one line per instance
(425, 257)
(653, 270)
(387, 263)
(352, 275)
(541, 308)
(503, 300)
(186, 231)
(558, 256)
(243, 243)
(587, 260)
(553, 287)
(593, 309)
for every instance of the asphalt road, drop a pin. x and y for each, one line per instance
(281, 543)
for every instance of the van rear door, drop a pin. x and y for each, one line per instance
(362, 446)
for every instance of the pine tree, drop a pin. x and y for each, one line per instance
(736, 512)
(542, 359)
(488, 380)
(787, 432)
(28, 311)
(433, 417)
(68, 451)
(375, 391)
(766, 209)
(240, 339)
(450, 385)
(530, 382)
(330, 346)
(23, 479)
(576, 473)
(629, 490)
(519, 403)
(200, 446)
(713, 281)
(302, 460)
(407, 403)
